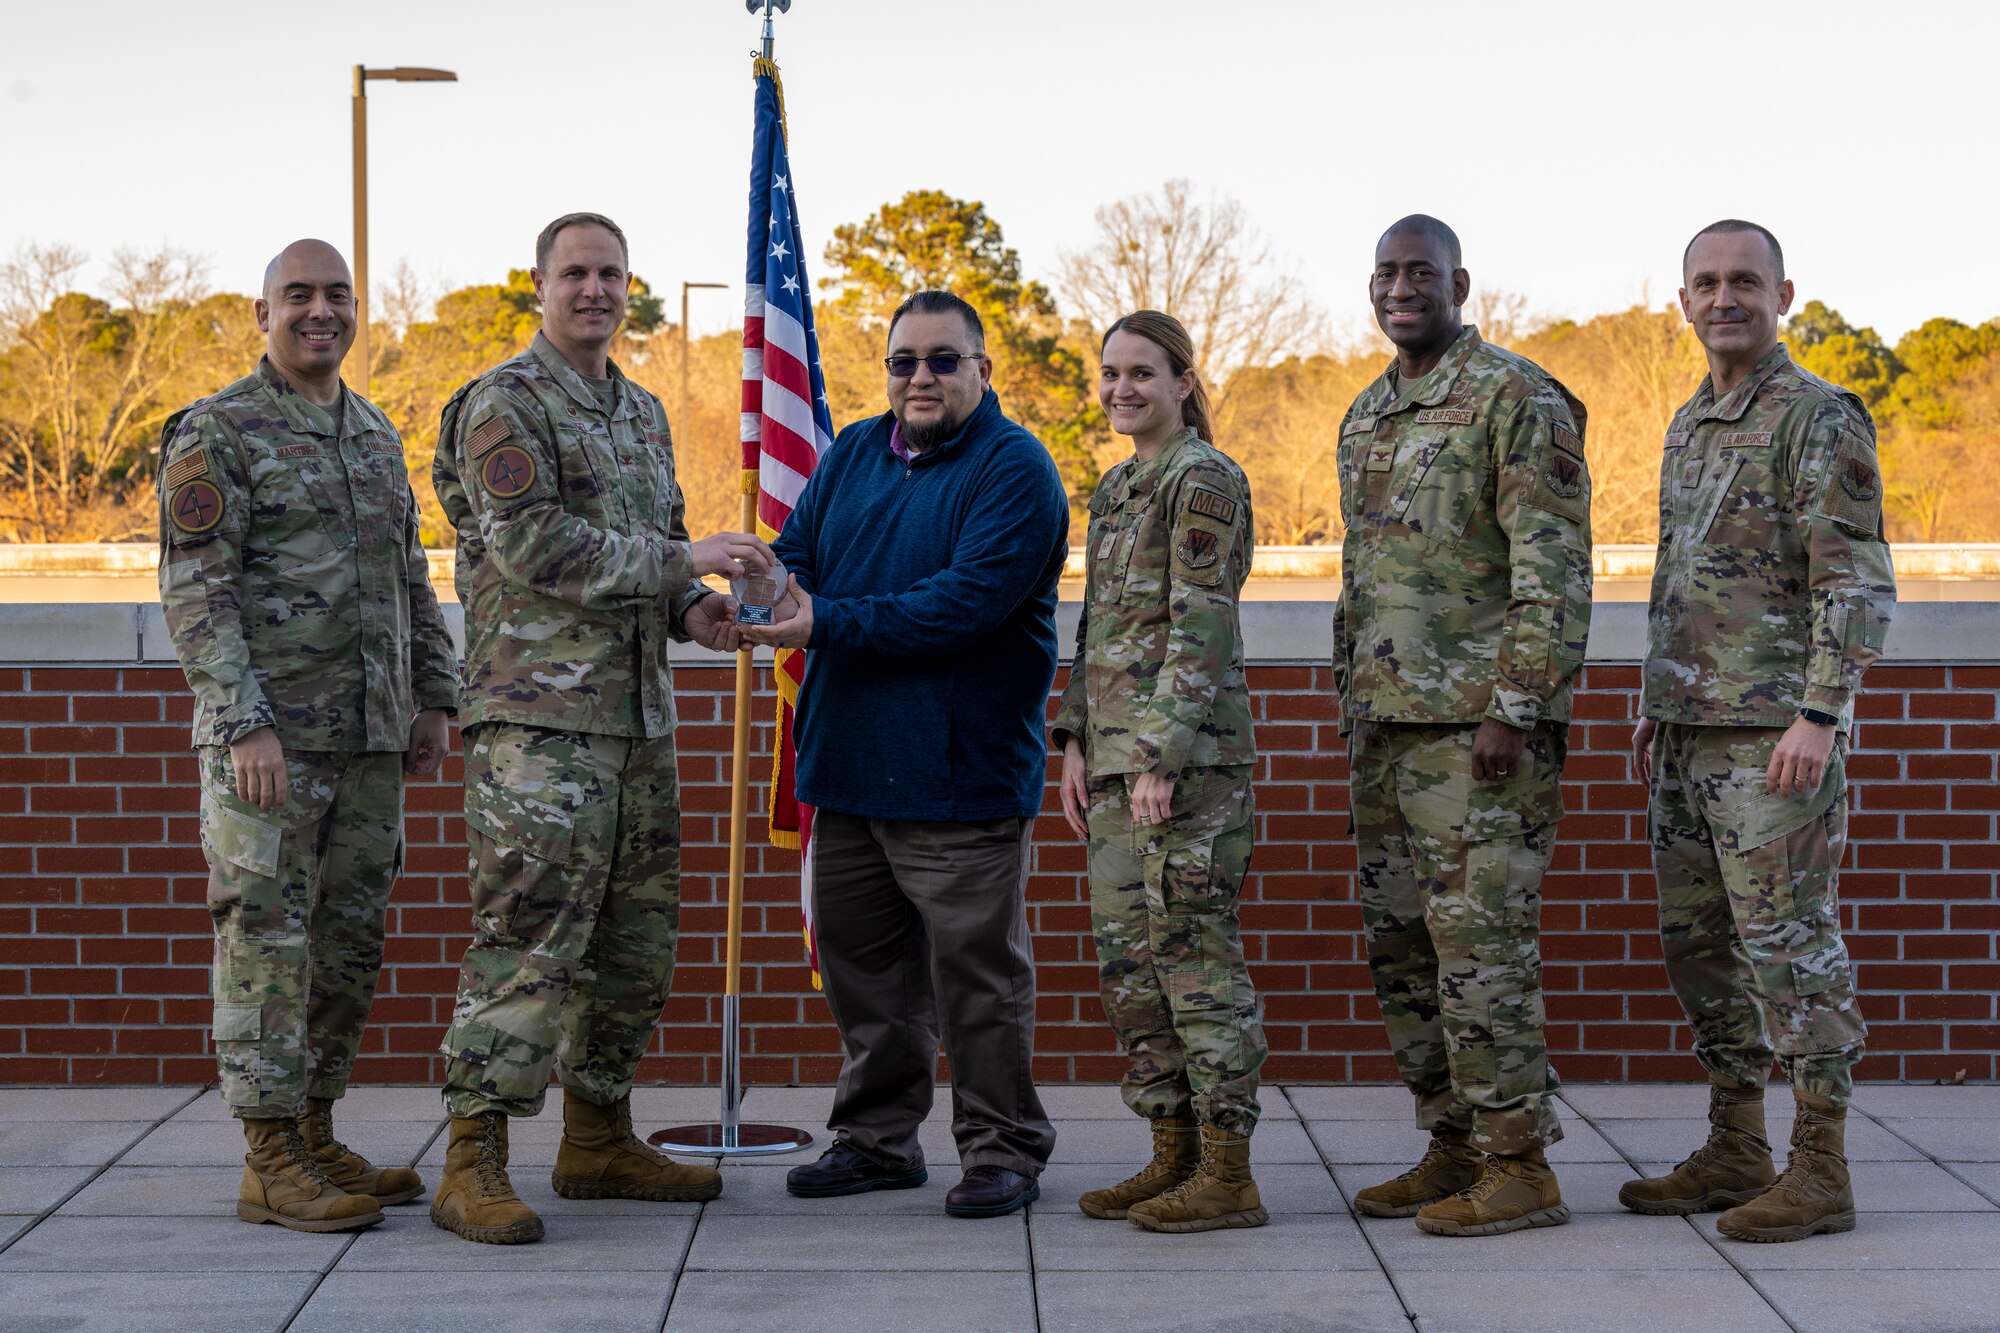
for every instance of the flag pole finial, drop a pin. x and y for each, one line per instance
(770, 33)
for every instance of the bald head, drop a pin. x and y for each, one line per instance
(1428, 227)
(309, 258)
(307, 314)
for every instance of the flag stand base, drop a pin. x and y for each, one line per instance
(730, 1138)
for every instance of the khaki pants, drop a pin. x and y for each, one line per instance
(922, 922)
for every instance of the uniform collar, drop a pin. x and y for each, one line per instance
(304, 416)
(1394, 396)
(1736, 402)
(580, 389)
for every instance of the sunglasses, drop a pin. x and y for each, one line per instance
(940, 363)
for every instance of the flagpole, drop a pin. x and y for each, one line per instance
(730, 1137)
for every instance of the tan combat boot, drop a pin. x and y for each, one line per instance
(601, 1158)
(474, 1199)
(1733, 1167)
(1176, 1153)
(284, 1183)
(348, 1168)
(1449, 1165)
(1814, 1195)
(1220, 1193)
(1512, 1193)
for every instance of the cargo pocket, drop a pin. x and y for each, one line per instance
(1753, 841)
(245, 841)
(1203, 1002)
(238, 1033)
(472, 1043)
(518, 825)
(1822, 967)
(518, 846)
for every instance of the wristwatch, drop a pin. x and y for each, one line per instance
(1817, 718)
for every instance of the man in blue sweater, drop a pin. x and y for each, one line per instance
(925, 553)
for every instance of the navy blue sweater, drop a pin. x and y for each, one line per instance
(933, 643)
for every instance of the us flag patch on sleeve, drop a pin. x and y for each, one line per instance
(486, 435)
(187, 467)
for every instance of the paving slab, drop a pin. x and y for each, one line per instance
(159, 1191)
(1895, 1187)
(70, 1104)
(220, 1143)
(1394, 1105)
(1341, 1301)
(1123, 1142)
(1286, 1187)
(1588, 1241)
(1672, 1140)
(1932, 1302)
(1585, 1302)
(602, 1302)
(242, 1302)
(1587, 1187)
(884, 1244)
(83, 1143)
(1888, 1241)
(1380, 1141)
(1658, 1101)
(30, 1189)
(1952, 1140)
(758, 1187)
(1983, 1176)
(1926, 1101)
(362, 1102)
(853, 1303)
(1067, 1241)
(169, 1245)
(409, 1243)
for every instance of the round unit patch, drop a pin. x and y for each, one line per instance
(196, 507)
(507, 472)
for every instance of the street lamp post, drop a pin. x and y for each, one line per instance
(687, 412)
(362, 74)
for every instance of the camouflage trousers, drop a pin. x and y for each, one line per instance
(1170, 956)
(1450, 879)
(1749, 918)
(298, 895)
(575, 873)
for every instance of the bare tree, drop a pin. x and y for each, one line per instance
(1202, 261)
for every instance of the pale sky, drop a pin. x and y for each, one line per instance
(1574, 146)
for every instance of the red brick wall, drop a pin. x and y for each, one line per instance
(104, 940)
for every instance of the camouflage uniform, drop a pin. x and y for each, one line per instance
(1772, 593)
(1158, 687)
(1465, 594)
(575, 570)
(298, 598)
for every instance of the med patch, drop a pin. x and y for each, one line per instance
(1211, 504)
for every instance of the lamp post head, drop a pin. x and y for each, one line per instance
(412, 74)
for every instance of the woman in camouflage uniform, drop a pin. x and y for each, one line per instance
(1157, 752)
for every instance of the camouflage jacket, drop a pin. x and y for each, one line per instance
(573, 560)
(1465, 574)
(1158, 685)
(291, 575)
(1772, 590)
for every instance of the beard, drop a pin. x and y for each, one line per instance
(921, 439)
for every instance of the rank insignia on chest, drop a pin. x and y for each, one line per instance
(196, 507)
(1858, 480)
(507, 472)
(1218, 507)
(1565, 476)
(1199, 548)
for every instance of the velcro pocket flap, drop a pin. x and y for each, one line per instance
(472, 1043)
(522, 823)
(239, 1022)
(1769, 816)
(1820, 968)
(1198, 989)
(246, 841)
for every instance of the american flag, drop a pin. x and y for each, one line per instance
(786, 422)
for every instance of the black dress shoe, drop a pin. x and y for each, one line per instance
(841, 1170)
(991, 1191)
